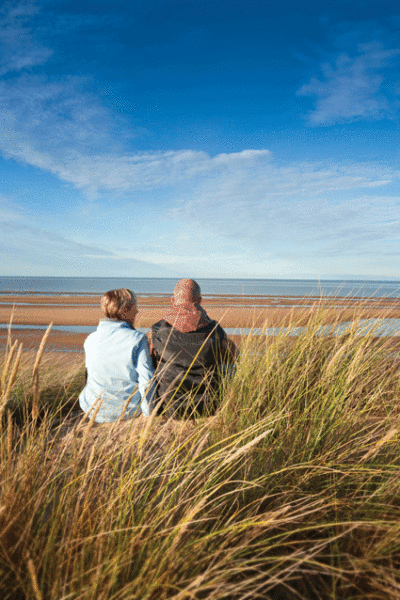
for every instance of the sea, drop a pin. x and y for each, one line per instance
(153, 286)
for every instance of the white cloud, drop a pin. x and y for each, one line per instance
(16, 232)
(235, 217)
(8, 211)
(56, 127)
(301, 206)
(351, 87)
(18, 49)
(61, 127)
(45, 122)
(27, 250)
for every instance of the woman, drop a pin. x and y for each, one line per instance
(118, 363)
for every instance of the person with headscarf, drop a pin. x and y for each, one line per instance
(189, 351)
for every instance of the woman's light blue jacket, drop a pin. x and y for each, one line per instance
(118, 366)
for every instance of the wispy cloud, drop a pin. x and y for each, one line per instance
(15, 232)
(25, 249)
(300, 206)
(352, 86)
(51, 123)
(55, 126)
(8, 211)
(61, 126)
(18, 49)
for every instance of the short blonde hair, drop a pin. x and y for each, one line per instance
(115, 303)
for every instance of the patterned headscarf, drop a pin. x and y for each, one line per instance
(186, 313)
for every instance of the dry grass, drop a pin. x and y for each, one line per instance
(292, 490)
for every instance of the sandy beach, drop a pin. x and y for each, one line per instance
(230, 311)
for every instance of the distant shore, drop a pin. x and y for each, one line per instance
(230, 310)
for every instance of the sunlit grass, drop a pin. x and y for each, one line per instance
(291, 490)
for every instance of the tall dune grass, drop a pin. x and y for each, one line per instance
(292, 490)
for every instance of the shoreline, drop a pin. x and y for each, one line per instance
(231, 311)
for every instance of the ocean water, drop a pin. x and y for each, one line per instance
(164, 286)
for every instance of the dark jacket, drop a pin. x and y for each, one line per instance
(187, 366)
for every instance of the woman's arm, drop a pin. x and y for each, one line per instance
(146, 383)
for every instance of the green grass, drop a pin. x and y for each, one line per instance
(292, 490)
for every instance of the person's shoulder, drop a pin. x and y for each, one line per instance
(161, 324)
(214, 329)
(91, 338)
(138, 335)
(125, 330)
(135, 339)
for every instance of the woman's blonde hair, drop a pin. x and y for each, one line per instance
(116, 303)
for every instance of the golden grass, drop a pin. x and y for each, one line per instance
(291, 490)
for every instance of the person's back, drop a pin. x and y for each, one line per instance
(188, 349)
(118, 363)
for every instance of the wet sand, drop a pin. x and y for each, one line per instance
(230, 311)
(58, 341)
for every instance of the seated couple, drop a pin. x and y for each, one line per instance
(187, 351)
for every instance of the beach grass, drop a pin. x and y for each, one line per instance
(291, 490)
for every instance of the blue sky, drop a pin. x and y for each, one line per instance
(200, 138)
